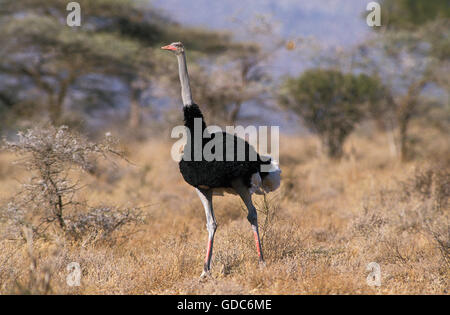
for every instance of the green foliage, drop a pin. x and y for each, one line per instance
(331, 103)
(412, 14)
(412, 22)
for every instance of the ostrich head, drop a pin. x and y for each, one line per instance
(176, 47)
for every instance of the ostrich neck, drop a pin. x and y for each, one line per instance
(184, 80)
(193, 118)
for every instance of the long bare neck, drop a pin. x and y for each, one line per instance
(184, 80)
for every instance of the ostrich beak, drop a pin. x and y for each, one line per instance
(169, 47)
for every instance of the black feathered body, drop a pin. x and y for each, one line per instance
(218, 173)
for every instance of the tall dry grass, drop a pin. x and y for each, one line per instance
(319, 230)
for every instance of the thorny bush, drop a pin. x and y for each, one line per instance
(56, 158)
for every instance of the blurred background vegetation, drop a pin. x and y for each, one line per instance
(109, 73)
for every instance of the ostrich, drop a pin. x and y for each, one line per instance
(241, 177)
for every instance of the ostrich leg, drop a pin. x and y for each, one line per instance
(211, 225)
(252, 217)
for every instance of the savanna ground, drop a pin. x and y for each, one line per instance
(320, 230)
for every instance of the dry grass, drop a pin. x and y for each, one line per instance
(326, 223)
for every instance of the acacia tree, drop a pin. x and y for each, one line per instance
(115, 43)
(50, 56)
(330, 103)
(410, 51)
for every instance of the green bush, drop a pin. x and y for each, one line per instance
(331, 103)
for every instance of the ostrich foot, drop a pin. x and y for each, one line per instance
(262, 264)
(205, 275)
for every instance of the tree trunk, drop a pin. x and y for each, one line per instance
(134, 118)
(393, 148)
(55, 110)
(403, 137)
(234, 114)
(333, 144)
(56, 102)
(405, 112)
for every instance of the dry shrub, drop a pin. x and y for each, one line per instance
(38, 278)
(430, 182)
(275, 277)
(99, 223)
(440, 233)
(368, 223)
(174, 259)
(280, 239)
(229, 259)
(233, 245)
(397, 227)
(432, 185)
(56, 159)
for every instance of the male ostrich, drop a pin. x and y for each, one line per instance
(241, 176)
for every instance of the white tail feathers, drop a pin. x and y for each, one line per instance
(270, 182)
